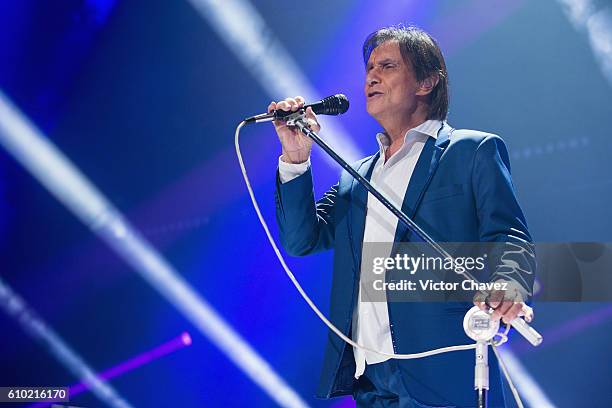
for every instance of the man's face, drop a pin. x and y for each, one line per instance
(391, 85)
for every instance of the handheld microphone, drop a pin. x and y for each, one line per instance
(527, 331)
(332, 105)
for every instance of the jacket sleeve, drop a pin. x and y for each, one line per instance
(305, 227)
(500, 217)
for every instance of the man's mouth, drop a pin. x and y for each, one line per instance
(374, 93)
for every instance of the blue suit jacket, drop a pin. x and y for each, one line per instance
(460, 191)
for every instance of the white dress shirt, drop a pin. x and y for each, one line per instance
(371, 319)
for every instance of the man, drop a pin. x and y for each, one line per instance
(455, 184)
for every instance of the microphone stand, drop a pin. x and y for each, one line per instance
(481, 372)
(480, 328)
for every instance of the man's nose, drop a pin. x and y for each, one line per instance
(372, 79)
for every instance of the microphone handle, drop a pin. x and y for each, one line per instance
(332, 105)
(274, 115)
(281, 114)
(319, 108)
(527, 331)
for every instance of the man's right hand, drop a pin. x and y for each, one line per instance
(296, 146)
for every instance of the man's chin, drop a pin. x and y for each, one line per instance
(376, 113)
(373, 110)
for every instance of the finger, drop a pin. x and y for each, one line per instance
(271, 106)
(293, 103)
(311, 119)
(309, 114)
(527, 311)
(313, 124)
(283, 105)
(501, 310)
(480, 297)
(495, 298)
(512, 313)
(482, 306)
(300, 100)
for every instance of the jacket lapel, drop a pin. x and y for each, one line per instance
(421, 177)
(358, 208)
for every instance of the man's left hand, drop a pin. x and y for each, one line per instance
(506, 304)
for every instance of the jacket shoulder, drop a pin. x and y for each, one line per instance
(470, 140)
(471, 137)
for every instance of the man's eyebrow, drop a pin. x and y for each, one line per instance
(386, 61)
(382, 62)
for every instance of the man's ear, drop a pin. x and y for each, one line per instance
(428, 84)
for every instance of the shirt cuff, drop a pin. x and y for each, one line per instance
(289, 171)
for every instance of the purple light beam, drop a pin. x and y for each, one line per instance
(175, 344)
(569, 328)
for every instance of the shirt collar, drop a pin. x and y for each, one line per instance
(428, 128)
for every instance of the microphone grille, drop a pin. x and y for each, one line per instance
(335, 104)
